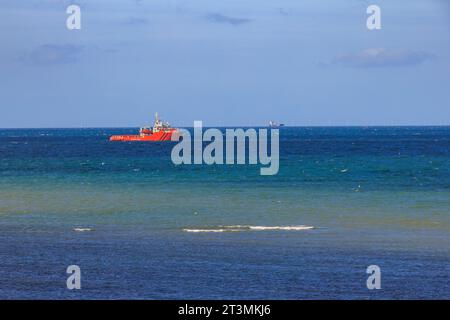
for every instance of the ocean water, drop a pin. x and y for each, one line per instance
(140, 227)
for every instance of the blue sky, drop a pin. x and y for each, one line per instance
(228, 62)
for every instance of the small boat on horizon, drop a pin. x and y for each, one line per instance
(274, 124)
(161, 131)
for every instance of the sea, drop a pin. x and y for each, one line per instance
(140, 227)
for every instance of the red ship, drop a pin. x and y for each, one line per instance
(161, 131)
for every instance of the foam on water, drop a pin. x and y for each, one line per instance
(212, 230)
(281, 228)
(240, 228)
(82, 229)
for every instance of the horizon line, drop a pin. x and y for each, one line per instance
(228, 126)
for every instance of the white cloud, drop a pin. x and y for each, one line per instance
(53, 54)
(381, 57)
(220, 18)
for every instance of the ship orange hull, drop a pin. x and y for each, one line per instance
(157, 136)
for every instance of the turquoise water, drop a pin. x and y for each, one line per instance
(126, 215)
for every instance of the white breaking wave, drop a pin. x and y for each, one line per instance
(282, 228)
(212, 230)
(241, 228)
(82, 229)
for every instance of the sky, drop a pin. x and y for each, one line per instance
(227, 63)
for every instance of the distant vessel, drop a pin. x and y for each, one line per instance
(274, 124)
(161, 131)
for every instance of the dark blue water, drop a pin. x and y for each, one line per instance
(126, 215)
